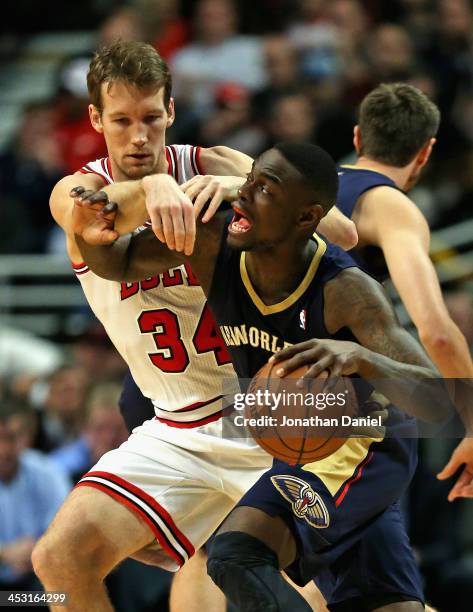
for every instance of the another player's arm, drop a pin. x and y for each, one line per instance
(406, 247)
(405, 244)
(138, 256)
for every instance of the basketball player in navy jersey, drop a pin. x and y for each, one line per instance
(394, 140)
(261, 269)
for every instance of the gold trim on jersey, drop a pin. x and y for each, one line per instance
(296, 294)
(354, 167)
(338, 467)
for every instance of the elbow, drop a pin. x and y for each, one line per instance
(349, 238)
(437, 341)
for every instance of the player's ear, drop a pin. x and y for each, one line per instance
(357, 139)
(310, 216)
(425, 152)
(171, 113)
(95, 118)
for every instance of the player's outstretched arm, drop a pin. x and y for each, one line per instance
(387, 355)
(134, 257)
(405, 245)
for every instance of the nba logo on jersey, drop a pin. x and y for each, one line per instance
(302, 318)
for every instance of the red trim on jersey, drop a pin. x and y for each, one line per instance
(176, 158)
(192, 158)
(80, 268)
(160, 511)
(197, 160)
(191, 424)
(192, 406)
(170, 161)
(353, 479)
(109, 166)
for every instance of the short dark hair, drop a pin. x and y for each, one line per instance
(396, 120)
(136, 63)
(316, 167)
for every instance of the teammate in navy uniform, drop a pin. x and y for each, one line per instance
(393, 141)
(259, 279)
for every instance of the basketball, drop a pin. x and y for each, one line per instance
(299, 425)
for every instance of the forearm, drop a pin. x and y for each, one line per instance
(130, 198)
(339, 229)
(448, 349)
(415, 389)
(107, 261)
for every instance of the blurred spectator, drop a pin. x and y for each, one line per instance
(282, 72)
(218, 54)
(94, 352)
(63, 410)
(29, 168)
(103, 431)
(126, 23)
(291, 118)
(78, 141)
(390, 54)
(166, 29)
(31, 491)
(230, 123)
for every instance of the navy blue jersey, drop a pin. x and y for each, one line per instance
(254, 331)
(353, 183)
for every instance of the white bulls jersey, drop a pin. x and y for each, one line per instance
(162, 325)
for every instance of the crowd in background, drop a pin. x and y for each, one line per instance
(246, 74)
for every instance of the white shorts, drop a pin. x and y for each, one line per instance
(181, 482)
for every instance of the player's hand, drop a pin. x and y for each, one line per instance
(213, 189)
(171, 212)
(461, 456)
(93, 216)
(339, 357)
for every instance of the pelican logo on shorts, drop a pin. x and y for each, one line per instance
(306, 503)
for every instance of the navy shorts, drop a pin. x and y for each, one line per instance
(336, 505)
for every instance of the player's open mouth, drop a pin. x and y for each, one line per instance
(240, 222)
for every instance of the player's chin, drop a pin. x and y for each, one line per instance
(138, 170)
(240, 241)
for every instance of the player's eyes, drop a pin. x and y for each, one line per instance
(121, 121)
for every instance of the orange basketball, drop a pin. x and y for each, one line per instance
(299, 425)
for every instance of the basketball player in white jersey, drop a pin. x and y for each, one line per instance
(162, 493)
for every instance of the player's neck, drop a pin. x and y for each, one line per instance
(276, 273)
(398, 175)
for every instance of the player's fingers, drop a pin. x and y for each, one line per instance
(315, 369)
(157, 225)
(111, 207)
(296, 361)
(189, 228)
(465, 492)
(85, 196)
(201, 200)
(179, 231)
(213, 206)
(77, 191)
(168, 229)
(465, 479)
(290, 351)
(98, 197)
(451, 467)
